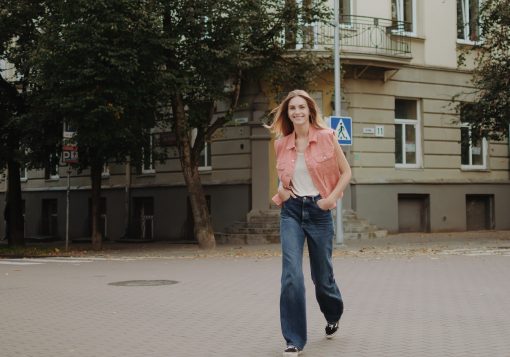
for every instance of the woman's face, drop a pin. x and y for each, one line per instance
(298, 111)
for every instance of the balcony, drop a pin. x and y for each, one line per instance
(360, 36)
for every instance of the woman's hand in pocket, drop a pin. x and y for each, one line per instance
(285, 193)
(326, 204)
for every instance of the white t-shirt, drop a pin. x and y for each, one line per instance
(302, 184)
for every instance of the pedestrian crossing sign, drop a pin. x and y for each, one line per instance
(343, 129)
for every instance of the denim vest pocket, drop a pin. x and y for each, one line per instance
(325, 159)
(322, 155)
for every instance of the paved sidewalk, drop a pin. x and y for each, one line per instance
(400, 244)
(404, 296)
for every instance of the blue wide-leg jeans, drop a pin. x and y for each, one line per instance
(301, 218)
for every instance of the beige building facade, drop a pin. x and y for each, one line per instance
(411, 171)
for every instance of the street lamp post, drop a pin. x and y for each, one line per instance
(338, 112)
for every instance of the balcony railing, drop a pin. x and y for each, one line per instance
(358, 34)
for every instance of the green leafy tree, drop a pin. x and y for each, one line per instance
(489, 114)
(216, 47)
(98, 70)
(19, 34)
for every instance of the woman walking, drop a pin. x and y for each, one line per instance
(313, 173)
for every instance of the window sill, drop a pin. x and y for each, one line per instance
(52, 179)
(408, 167)
(205, 169)
(413, 35)
(466, 43)
(474, 168)
(23, 180)
(345, 26)
(147, 173)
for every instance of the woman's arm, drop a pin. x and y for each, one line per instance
(345, 176)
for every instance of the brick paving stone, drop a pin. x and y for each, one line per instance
(397, 303)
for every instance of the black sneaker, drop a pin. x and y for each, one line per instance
(331, 329)
(291, 351)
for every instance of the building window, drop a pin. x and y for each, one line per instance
(467, 20)
(204, 163)
(147, 155)
(51, 168)
(106, 171)
(473, 155)
(23, 173)
(407, 134)
(403, 15)
(205, 158)
(345, 7)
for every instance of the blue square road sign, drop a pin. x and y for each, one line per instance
(343, 129)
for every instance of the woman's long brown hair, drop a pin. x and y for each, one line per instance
(282, 125)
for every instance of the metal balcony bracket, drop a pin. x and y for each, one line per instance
(359, 74)
(389, 74)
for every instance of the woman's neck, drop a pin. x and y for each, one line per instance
(301, 131)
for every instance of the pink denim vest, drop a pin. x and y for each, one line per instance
(320, 158)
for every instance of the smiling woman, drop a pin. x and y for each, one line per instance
(313, 174)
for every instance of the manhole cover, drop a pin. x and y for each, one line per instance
(144, 283)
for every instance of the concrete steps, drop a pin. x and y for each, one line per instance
(359, 228)
(263, 227)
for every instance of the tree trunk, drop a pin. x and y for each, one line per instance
(202, 227)
(15, 227)
(95, 177)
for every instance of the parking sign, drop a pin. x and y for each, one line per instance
(70, 154)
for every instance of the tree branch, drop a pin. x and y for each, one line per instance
(234, 100)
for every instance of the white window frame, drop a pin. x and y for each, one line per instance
(485, 148)
(204, 153)
(316, 34)
(106, 171)
(347, 25)
(57, 168)
(150, 169)
(417, 134)
(399, 4)
(466, 18)
(23, 173)
(315, 31)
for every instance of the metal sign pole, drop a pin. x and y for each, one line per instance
(67, 205)
(338, 112)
